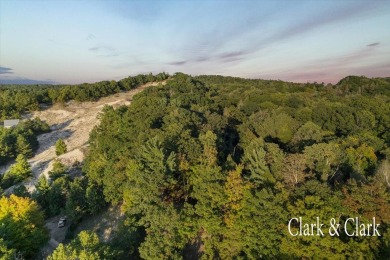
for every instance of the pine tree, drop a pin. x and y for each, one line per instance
(58, 170)
(61, 147)
(42, 185)
(21, 168)
(41, 193)
(18, 172)
(23, 146)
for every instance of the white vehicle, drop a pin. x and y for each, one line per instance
(61, 222)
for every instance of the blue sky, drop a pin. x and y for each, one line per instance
(87, 41)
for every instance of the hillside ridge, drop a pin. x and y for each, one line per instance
(72, 122)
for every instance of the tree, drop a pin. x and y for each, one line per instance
(21, 191)
(18, 172)
(368, 200)
(315, 199)
(235, 190)
(324, 159)
(383, 172)
(61, 147)
(42, 185)
(278, 126)
(263, 215)
(208, 190)
(86, 246)
(209, 150)
(22, 225)
(41, 192)
(294, 169)
(308, 134)
(274, 157)
(23, 147)
(56, 196)
(153, 200)
(94, 197)
(256, 163)
(76, 204)
(58, 170)
(362, 159)
(5, 252)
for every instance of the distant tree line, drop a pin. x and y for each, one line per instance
(16, 99)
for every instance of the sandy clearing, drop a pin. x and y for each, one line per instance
(72, 122)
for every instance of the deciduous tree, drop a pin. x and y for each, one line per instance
(22, 225)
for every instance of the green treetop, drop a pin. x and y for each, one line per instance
(61, 147)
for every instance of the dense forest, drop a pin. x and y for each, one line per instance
(21, 139)
(213, 167)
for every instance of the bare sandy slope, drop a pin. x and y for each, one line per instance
(72, 122)
(104, 224)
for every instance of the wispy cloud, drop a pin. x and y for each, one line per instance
(233, 54)
(284, 39)
(104, 51)
(361, 61)
(213, 40)
(4, 70)
(238, 40)
(326, 17)
(373, 44)
(202, 59)
(101, 48)
(177, 63)
(90, 36)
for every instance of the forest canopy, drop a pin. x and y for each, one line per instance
(210, 167)
(215, 167)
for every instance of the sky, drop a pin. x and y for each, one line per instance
(71, 42)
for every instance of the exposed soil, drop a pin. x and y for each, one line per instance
(57, 235)
(72, 122)
(104, 224)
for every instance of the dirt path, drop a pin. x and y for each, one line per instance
(72, 122)
(103, 224)
(57, 235)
